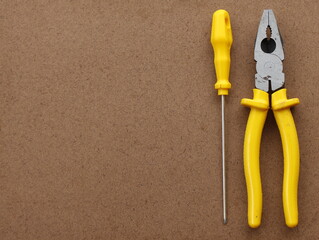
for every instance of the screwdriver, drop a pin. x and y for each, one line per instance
(221, 39)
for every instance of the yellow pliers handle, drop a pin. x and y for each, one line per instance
(281, 106)
(290, 145)
(259, 106)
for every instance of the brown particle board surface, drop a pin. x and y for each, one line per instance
(110, 126)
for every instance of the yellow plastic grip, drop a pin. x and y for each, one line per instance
(221, 39)
(259, 106)
(281, 108)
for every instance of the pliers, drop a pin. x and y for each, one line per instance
(270, 80)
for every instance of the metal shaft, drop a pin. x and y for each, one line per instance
(223, 160)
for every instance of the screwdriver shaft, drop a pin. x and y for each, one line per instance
(223, 159)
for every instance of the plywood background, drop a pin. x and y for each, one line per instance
(110, 126)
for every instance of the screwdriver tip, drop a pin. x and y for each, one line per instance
(225, 221)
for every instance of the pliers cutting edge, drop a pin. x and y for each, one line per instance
(270, 79)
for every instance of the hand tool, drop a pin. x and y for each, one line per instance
(221, 39)
(270, 79)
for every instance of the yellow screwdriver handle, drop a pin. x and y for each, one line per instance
(222, 39)
(281, 108)
(259, 106)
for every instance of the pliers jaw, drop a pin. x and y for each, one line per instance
(269, 54)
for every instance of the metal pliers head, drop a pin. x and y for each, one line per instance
(269, 54)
